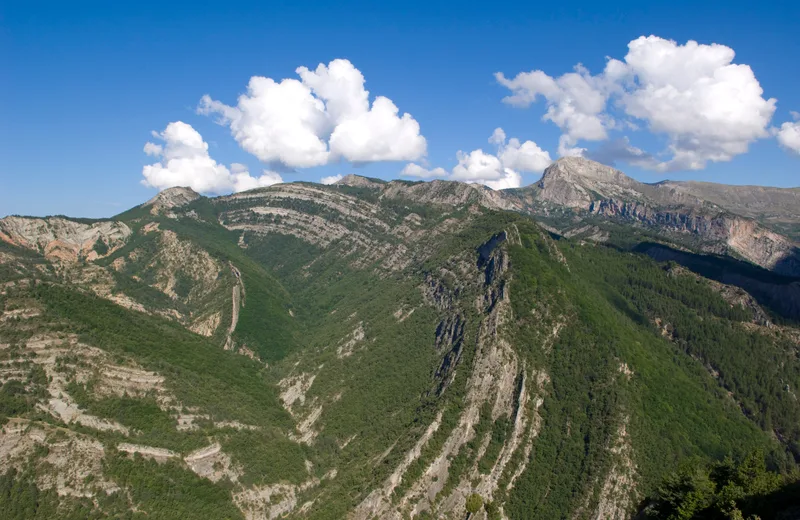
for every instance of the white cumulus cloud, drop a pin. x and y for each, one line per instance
(323, 117)
(576, 101)
(378, 135)
(276, 122)
(243, 181)
(709, 108)
(184, 161)
(483, 168)
(341, 86)
(497, 171)
(415, 170)
(331, 179)
(788, 134)
(523, 157)
(477, 166)
(153, 149)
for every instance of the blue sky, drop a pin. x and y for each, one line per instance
(83, 86)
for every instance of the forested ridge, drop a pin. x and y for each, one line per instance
(331, 378)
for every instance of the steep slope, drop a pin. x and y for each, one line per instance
(63, 239)
(574, 191)
(373, 349)
(775, 207)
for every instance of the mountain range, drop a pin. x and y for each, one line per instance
(375, 349)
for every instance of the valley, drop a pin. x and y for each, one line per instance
(375, 349)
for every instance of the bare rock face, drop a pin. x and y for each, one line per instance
(499, 381)
(742, 236)
(763, 247)
(574, 182)
(171, 198)
(778, 205)
(63, 239)
(677, 209)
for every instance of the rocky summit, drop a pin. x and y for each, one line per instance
(579, 348)
(757, 225)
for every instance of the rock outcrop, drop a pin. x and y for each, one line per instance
(63, 239)
(679, 211)
(171, 198)
(575, 182)
(772, 205)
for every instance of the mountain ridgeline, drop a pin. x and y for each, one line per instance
(588, 347)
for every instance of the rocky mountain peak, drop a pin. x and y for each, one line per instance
(172, 198)
(579, 169)
(575, 182)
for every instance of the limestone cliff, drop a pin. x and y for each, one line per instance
(590, 189)
(63, 239)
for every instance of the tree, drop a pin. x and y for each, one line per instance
(474, 503)
(685, 493)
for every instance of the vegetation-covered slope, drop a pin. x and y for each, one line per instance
(370, 351)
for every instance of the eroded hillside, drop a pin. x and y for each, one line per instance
(368, 350)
